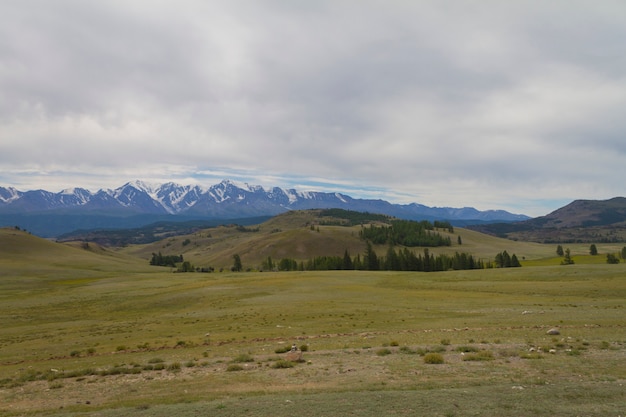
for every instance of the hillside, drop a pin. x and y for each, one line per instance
(302, 235)
(23, 253)
(582, 221)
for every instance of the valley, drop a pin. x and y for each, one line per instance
(93, 330)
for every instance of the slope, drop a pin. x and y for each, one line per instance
(22, 254)
(302, 235)
(599, 221)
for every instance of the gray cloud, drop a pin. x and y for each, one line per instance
(513, 105)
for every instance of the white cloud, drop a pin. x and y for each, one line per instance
(513, 105)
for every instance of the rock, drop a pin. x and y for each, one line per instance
(553, 332)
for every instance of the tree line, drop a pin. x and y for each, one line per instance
(402, 260)
(407, 233)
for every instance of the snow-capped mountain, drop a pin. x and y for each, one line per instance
(226, 200)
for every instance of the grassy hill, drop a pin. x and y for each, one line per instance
(25, 254)
(302, 235)
(582, 221)
(87, 330)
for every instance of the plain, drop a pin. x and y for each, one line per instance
(87, 331)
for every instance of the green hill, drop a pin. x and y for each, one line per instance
(302, 235)
(24, 254)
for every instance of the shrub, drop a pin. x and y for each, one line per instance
(156, 360)
(433, 358)
(282, 364)
(383, 352)
(445, 342)
(483, 355)
(304, 348)
(244, 357)
(233, 367)
(467, 349)
(175, 366)
(407, 350)
(282, 349)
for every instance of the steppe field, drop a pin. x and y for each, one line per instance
(87, 331)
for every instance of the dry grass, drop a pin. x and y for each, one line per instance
(98, 333)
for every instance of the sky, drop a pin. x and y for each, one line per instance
(514, 105)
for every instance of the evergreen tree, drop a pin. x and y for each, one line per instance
(370, 260)
(347, 261)
(559, 250)
(611, 258)
(593, 250)
(624, 252)
(458, 240)
(567, 259)
(237, 266)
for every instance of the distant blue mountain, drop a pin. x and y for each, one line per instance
(138, 203)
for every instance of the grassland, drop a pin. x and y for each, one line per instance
(86, 331)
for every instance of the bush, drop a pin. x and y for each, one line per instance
(483, 355)
(467, 349)
(233, 367)
(282, 349)
(174, 367)
(383, 352)
(282, 364)
(244, 357)
(433, 358)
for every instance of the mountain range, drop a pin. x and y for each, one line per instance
(136, 203)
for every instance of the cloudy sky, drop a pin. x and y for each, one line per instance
(515, 105)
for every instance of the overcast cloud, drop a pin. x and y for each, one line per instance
(515, 105)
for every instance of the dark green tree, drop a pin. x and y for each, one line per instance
(458, 240)
(347, 261)
(370, 260)
(237, 266)
(612, 258)
(593, 250)
(559, 250)
(567, 259)
(624, 252)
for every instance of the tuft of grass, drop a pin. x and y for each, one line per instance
(433, 358)
(283, 364)
(483, 355)
(242, 358)
(233, 367)
(282, 349)
(174, 367)
(383, 352)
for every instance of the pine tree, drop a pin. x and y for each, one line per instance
(567, 259)
(237, 267)
(559, 250)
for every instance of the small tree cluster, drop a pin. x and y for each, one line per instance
(406, 233)
(165, 260)
(612, 258)
(504, 260)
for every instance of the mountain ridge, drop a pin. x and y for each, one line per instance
(578, 221)
(226, 200)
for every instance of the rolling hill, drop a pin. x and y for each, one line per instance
(582, 221)
(302, 235)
